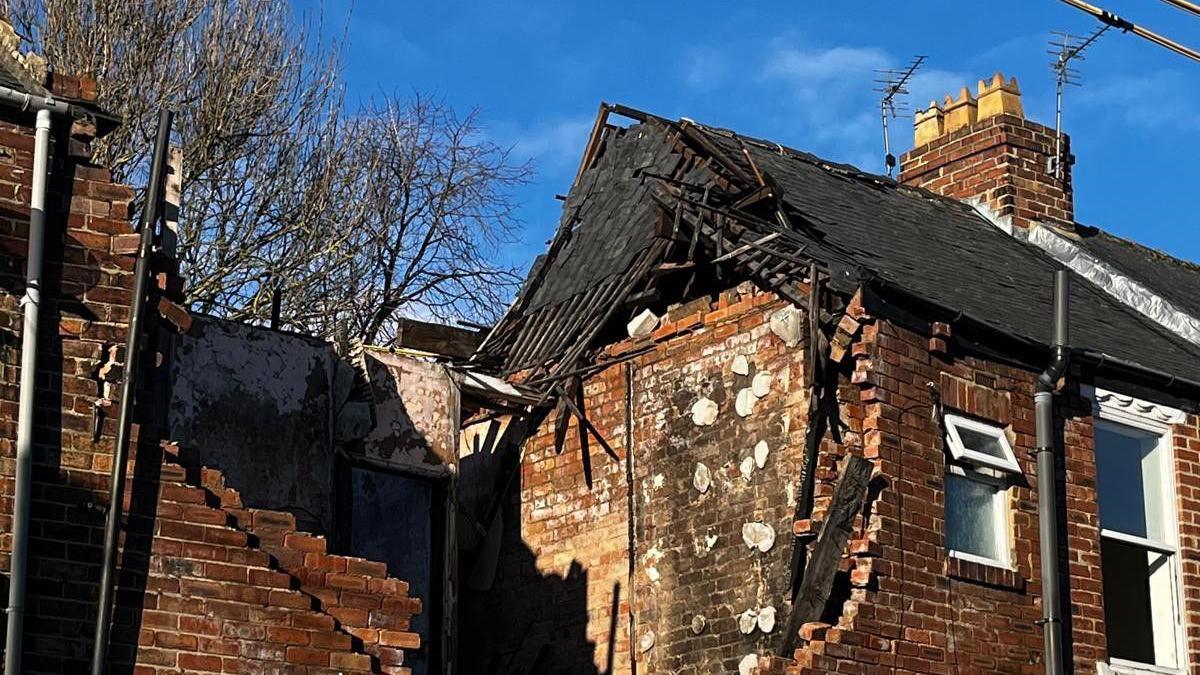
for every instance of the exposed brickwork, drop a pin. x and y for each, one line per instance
(901, 602)
(1001, 161)
(202, 586)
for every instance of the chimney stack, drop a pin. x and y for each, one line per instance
(980, 148)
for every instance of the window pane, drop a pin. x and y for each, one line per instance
(1138, 603)
(971, 517)
(988, 444)
(1129, 481)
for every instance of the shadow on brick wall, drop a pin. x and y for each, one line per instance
(69, 492)
(527, 622)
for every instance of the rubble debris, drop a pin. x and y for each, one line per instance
(704, 412)
(761, 384)
(702, 478)
(761, 450)
(758, 535)
(741, 365)
(744, 405)
(788, 324)
(699, 623)
(643, 324)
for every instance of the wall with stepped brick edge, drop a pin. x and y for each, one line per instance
(205, 585)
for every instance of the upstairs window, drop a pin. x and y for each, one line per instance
(976, 487)
(1138, 548)
(979, 443)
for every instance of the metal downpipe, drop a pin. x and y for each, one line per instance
(133, 345)
(26, 403)
(1043, 401)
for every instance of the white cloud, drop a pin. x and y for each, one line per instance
(1160, 100)
(829, 94)
(551, 144)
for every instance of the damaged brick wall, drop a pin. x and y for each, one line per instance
(899, 600)
(205, 585)
(703, 597)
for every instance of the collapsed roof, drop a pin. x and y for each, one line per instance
(662, 197)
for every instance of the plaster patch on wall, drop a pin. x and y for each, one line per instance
(761, 450)
(702, 478)
(758, 535)
(744, 405)
(704, 412)
(761, 384)
(747, 468)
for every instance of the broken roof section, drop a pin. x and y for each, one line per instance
(660, 196)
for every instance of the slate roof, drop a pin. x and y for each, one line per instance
(1174, 279)
(867, 227)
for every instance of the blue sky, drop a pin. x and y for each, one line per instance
(798, 73)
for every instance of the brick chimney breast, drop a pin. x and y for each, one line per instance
(980, 148)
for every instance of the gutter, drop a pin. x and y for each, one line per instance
(31, 302)
(1103, 364)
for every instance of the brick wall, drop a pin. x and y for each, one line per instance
(899, 601)
(1000, 161)
(564, 571)
(205, 585)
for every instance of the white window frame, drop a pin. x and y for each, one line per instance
(999, 512)
(1120, 409)
(962, 453)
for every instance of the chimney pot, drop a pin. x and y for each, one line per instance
(928, 124)
(961, 112)
(999, 98)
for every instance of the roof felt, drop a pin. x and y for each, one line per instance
(933, 247)
(1172, 278)
(609, 213)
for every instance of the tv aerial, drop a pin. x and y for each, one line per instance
(893, 84)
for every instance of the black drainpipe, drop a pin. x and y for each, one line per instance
(133, 348)
(1043, 401)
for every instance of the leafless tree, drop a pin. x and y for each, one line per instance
(356, 217)
(432, 212)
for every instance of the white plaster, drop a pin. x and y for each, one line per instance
(747, 468)
(787, 323)
(704, 412)
(761, 384)
(747, 621)
(758, 535)
(744, 405)
(699, 623)
(760, 454)
(702, 478)
(646, 642)
(740, 365)
(747, 665)
(766, 619)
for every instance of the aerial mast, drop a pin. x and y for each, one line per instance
(893, 84)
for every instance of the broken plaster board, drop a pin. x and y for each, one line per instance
(1104, 276)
